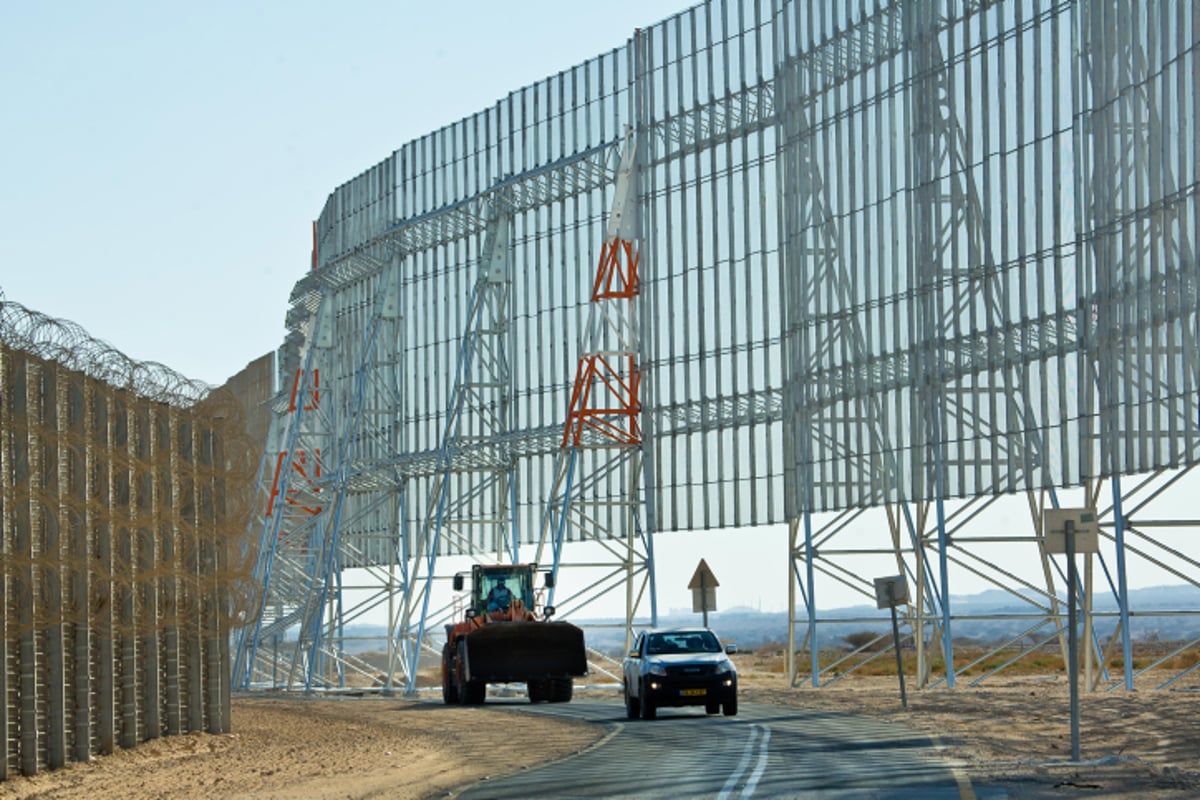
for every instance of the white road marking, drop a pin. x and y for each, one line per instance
(965, 790)
(754, 742)
(751, 784)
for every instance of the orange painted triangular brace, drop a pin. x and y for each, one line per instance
(605, 397)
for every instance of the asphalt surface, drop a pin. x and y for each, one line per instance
(764, 751)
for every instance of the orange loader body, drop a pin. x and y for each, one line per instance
(508, 643)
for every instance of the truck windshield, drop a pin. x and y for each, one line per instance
(693, 642)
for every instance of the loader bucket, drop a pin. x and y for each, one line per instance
(504, 652)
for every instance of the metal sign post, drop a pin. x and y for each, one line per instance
(1072, 640)
(1070, 531)
(890, 592)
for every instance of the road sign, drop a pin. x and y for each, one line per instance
(704, 590)
(1085, 526)
(703, 577)
(891, 591)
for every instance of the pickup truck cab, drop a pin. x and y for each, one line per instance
(679, 667)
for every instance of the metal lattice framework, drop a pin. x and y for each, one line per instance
(897, 266)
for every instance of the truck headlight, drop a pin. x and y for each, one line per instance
(654, 668)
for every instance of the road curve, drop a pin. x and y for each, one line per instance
(764, 752)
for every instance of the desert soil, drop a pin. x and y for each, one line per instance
(1011, 733)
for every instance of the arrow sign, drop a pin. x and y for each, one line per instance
(703, 577)
(704, 590)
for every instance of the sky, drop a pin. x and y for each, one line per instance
(163, 162)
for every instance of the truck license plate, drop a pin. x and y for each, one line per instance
(693, 692)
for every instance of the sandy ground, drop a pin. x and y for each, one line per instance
(1016, 734)
(1013, 734)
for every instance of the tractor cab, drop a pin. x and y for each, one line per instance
(498, 589)
(495, 588)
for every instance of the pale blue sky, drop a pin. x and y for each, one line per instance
(163, 161)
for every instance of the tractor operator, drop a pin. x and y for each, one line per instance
(500, 597)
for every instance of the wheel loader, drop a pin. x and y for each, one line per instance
(501, 639)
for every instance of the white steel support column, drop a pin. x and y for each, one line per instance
(292, 525)
(814, 267)
(598, 472)
(471, 500)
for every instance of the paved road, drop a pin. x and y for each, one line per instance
(765, 751)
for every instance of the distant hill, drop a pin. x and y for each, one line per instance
(998, 615)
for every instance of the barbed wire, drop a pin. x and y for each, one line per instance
(67, 343)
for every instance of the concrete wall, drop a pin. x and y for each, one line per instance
(125, 560)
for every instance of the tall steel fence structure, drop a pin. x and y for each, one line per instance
(863, 269)
(124, 496)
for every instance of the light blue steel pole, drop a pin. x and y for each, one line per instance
(811, 593)
(943, 544)
(560, 527)
(327, 572)
(1122, 583)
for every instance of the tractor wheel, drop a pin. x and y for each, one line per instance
(470, 692)
(561, 690)
(449, 676)
(538, 690)
(474, 692)
(467, 690)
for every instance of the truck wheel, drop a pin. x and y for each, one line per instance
(632, 706)
(731, 707)
(649, 710)
(712, 707)
(449, 678)
(561, 690)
